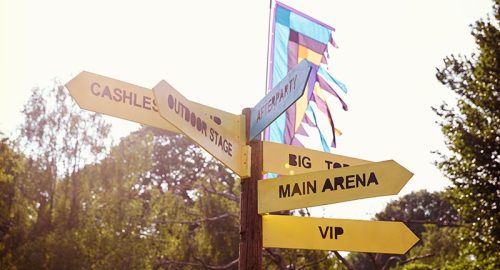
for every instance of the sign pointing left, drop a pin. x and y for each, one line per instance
(227, 145)
(116, 98)
(120, 99)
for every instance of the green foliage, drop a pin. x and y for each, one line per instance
(300, 259)
(58, 134)
(418, 266)
(471, 263)
(10, 167)
(155, 202)
(11, 219)
(419, 207)
(441, 244)
(199, 220)
(472, 133)
(58, 139)
(429, 216)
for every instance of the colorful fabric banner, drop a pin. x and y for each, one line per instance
(309, 122)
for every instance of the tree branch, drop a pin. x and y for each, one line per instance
(276, 258)
(218, 267)
(199, 263)
(402, 262)
(374, 260)
(439, 224)
(312, 263)
(165, 262)
(226, 195)
(197, 221)
(344, 261)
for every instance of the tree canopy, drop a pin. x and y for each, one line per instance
(472, 135)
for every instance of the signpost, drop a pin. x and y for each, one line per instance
(331, 186)
(309, 179)
(279, 99)
(336, 234)
(227, 145)
(290, 160)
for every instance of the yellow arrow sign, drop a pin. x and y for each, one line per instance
(289, 160)
(116, 98)
(331, 186)
(336, 234)
(120, 99)
(228, 146)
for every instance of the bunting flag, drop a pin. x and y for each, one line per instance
(309, 122)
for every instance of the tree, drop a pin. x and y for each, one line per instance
(59, 139)
(152, 206)
(11, 214)
(441, 246)
(191, 204)
(418, 210)
(472, 135)
(203, 219)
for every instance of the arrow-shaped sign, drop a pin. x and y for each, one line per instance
(120, 99)
(336, 234)
(116, 98)
(228, 146)
(279, 99)
(331, 186)
(286, 159)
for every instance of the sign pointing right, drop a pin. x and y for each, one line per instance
(331, 186)
(336, 234)
(287, 159)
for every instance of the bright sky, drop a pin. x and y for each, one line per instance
(214, 52)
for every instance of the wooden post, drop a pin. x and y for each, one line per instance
(250, 220)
